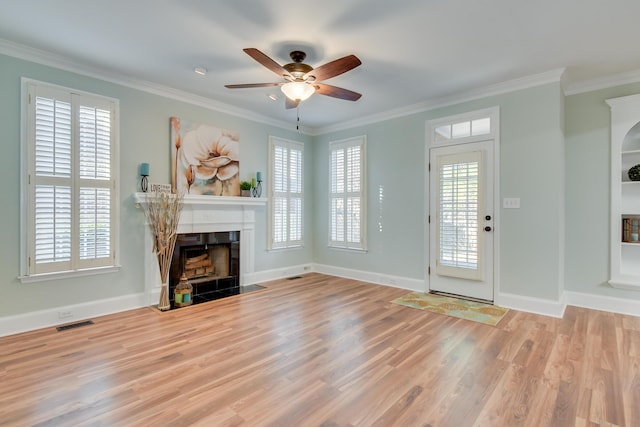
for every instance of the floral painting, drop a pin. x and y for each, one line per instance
(204, 159)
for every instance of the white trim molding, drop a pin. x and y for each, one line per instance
(69, 314)
(602, 302)
(371, 277)
(42, 57)
(552, 76)
(542, 306)
(574, 88)
(277, 273)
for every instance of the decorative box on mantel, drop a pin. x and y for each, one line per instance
(207, 214)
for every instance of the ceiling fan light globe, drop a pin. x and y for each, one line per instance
(298, 91)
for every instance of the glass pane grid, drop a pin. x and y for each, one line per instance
(458, 222)
(463, 129)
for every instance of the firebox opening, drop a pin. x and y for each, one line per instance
(211, 263)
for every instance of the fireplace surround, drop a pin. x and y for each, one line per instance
(210, 262)
(209, 214)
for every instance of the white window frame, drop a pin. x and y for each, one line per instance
(345, 144)
(288, 195)
(435, 138)
(75, 266)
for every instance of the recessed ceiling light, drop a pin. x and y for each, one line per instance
(200, 71)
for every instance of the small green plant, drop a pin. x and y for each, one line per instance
(245, 185)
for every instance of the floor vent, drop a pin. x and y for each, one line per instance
(294, 277)
(74, 325)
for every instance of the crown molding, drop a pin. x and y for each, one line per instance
(27, 53)
(603, 82)
(41, 57)
(552, 76)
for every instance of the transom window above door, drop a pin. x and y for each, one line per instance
(463, 128)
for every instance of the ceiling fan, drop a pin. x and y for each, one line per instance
(300, 80)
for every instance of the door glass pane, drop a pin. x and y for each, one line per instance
(458, 214)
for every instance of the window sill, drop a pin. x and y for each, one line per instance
(35, 278)
(287, 248)
(356, 250)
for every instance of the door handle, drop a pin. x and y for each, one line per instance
(487, 228)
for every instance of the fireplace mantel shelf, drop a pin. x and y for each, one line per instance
(196, 201)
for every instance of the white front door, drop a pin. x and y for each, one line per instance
(461, 219)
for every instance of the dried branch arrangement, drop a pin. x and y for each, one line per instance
(163, 215)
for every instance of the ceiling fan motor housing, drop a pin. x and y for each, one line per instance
(297, 68)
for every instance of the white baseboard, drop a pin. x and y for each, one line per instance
(68, 314)
(277, 273)
(604, 303)
(377, 278)
(530, 304)
(10, 325)
(48, 318)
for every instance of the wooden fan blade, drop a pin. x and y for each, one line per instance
(267, 62)
(334, 68)
(250, 85)
(337, 92)
(289, 104)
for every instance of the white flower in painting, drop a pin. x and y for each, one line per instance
(205, 153)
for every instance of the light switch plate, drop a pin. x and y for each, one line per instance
(511, 203)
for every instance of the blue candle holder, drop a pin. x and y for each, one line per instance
(144, 173)
(257, 190)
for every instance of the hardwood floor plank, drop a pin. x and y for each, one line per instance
(324, 351)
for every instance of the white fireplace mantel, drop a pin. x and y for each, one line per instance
(207, 214)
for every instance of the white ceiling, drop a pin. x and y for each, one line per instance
(413, 51)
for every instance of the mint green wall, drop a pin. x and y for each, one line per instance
(395, 200)
(537, 126)
(588, 171)
(144, 137)
(532, 168)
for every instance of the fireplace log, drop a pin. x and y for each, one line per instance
(199, 264)
(195, 259)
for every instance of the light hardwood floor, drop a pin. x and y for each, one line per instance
(324, 351)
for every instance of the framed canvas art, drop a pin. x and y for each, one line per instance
(204, 159)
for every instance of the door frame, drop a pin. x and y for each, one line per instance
(431, 142)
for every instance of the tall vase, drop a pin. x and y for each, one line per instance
(164, 303)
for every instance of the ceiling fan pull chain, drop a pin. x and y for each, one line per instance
(298, 117)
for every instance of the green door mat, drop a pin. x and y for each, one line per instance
(463, 309)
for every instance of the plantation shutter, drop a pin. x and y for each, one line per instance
(346, 216)
(287, 196)
(295, 195)
(72, 181)
(53, 181)
(280, 187)
(459, 194)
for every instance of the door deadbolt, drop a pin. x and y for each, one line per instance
(488, 217)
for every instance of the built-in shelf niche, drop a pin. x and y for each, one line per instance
(625, 193)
